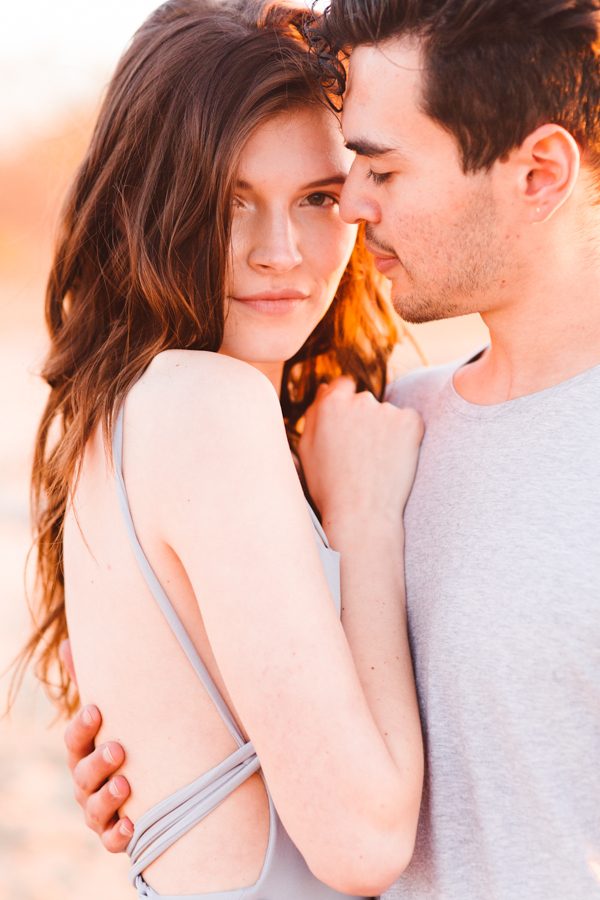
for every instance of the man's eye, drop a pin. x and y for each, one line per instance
(320, 199)
(379, 177)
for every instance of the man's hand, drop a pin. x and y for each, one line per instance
(99, 794)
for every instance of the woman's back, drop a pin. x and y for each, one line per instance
(112, 615)
(113, 611)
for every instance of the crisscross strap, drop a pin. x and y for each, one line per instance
(168, 820)
(174, 816)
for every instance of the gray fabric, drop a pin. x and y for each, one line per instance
(503, 590)
(284, 873)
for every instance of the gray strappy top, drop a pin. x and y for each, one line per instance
(284, 875)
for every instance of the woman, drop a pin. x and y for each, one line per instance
(204, 218)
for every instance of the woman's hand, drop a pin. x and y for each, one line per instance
(98, 794)
(359, 456)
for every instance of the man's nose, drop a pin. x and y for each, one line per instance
(356, 201)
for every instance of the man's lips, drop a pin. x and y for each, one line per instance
(383, 261)
(274, 302)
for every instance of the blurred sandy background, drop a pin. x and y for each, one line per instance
(45, 851)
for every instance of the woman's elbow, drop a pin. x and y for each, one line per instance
(370, 865)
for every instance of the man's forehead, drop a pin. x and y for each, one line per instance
(396, 62)
(381, 106)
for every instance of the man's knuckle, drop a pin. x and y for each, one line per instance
(112, 844)
(94, 820)
(82, 779)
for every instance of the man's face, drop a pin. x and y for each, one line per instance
(434, 230)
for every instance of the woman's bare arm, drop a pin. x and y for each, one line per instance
(364, 520)
(251, 556)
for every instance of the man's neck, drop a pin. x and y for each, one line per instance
(540, 340)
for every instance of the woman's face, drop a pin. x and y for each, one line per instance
(289, 246)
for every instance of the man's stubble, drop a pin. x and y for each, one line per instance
(451, 267)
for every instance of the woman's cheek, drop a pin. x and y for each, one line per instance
(239, 241)
(332, 247)
(350, 236)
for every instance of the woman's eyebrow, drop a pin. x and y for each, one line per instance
(337, 178)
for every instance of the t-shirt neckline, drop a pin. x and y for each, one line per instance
(495, 410)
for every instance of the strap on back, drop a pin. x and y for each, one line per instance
(156, 589)
(168, 820)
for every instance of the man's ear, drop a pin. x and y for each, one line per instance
(549, 160)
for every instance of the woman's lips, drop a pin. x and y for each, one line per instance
(274, 303)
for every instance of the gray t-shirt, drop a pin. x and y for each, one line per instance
(503, 588)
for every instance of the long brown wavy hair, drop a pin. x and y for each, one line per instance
(142, 252)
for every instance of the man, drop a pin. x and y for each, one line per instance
(476, 125)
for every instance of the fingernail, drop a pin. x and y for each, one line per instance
(88, 715)
(112, 786)
(107, 755)
(125, 828)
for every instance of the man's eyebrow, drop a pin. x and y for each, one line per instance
(334, 178)
(368, 148)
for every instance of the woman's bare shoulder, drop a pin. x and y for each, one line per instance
(207, 432)
(203, 372)
(202, 409)
(183, 387)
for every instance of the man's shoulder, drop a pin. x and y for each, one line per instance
(419, 387)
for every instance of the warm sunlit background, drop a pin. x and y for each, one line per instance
(55, 59)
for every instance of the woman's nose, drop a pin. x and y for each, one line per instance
(276, 246)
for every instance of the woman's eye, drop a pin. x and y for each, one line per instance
(378, 177)
(238, 203)
(320, 199)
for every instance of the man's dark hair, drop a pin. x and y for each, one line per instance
(494, 69)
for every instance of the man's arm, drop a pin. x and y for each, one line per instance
(98, 793)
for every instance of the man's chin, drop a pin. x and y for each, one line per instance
(418, 310)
